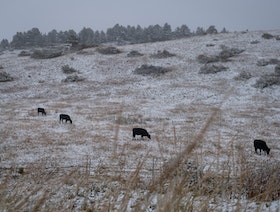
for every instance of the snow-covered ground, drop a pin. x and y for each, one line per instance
(173, 107)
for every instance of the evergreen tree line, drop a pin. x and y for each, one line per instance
(88, 37)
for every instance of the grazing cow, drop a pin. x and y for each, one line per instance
(64, 117)
(140, 131)
(41, 110)
(261, 145)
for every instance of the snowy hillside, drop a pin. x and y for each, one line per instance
(95, 164)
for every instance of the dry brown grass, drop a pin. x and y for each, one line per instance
(179, 184)
(186, 166)
(200, 157)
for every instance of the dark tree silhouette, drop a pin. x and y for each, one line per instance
(118, 34)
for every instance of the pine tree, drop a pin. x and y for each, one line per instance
(4, 44)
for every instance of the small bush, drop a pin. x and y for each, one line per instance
(264, 62)
(73, 78)
(163, 54)
(134, 54)
(274, 61)
(151, 70)
(261, 181)
(210, 45)
(243, 76)
(212, 69)
(108, 50)
(227, 52)
(277, 70)
(267, 81)
(68, 70)
(254, 42)
(79, 47)
(5, 77)
(46, 54)
(24, 54)
(207, 59)
(223, 56)
(267, 36)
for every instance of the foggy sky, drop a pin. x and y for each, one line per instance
(46, 15)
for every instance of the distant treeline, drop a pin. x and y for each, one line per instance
(88, 37)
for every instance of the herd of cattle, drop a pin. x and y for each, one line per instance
(258, 144)
(61, 116)
(135, 131)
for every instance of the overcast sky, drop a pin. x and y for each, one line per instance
(46, 15)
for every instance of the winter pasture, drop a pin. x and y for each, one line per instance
(200, 156)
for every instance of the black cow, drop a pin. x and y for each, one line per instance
(64, 117)
(42, 110)
(140, 131)
(261, 145)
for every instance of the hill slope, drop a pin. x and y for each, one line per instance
(204, 121)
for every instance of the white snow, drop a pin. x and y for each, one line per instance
(182, 100)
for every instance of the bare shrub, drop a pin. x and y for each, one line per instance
(267, 36)
(223, 56)
(162, 54)
(134, 54)
(46, 54)
(151, 70)
(68, 70)
(243, 76)
(267, 81)
(277, 69)
(274, 61)
(79, 47)
(265, 62)
(108, 50)
(262, 62)
(210, 45)
(227, 52)
(207, 59)
(254, 42)
(261, 180)
(5, 77)
(73, 78)
(24, 53)
(212, 69)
